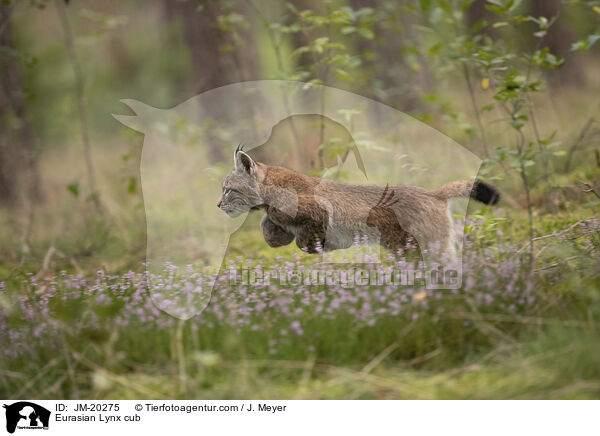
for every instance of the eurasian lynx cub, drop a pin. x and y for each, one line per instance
(317, 211)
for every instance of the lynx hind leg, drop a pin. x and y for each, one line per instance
(442, 247)
(450, 243)
(274, 235)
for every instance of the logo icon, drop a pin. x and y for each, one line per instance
(26, 415)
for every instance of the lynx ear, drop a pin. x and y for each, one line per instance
(243, 162)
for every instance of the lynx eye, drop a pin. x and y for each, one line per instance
(229, 190)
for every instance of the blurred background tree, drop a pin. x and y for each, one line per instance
(18, 155)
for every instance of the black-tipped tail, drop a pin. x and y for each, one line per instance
(485, 193)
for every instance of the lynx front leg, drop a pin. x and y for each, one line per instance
(308, 237)
(274, 235)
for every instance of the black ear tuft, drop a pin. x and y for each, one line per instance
(485, 193)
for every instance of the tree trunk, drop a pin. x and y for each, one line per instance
(218, 58)
(212, 66)
(19, 177)
(558, 40)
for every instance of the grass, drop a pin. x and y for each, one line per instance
(517, 371)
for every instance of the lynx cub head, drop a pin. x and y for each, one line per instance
(240, 188)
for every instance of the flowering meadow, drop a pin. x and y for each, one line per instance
(103, 335)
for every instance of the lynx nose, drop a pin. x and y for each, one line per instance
(219, 203)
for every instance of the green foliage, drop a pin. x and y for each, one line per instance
(73, 188)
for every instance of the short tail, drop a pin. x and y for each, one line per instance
(475, 189)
